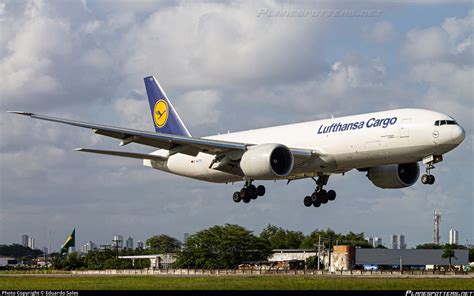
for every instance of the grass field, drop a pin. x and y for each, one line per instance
(230, 283)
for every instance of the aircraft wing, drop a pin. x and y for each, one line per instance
(176, 144)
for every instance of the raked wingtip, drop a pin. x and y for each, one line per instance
(21, 113)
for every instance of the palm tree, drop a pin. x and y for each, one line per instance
(449, 253)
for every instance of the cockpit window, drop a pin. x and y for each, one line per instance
(444, 122)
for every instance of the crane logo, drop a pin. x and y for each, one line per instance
(160, 113)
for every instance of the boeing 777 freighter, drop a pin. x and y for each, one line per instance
(386, 145)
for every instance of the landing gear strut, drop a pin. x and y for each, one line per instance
(427, 178)
(248, 192)
(319, 196)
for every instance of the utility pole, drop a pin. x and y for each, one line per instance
(319, 250)
(401, 266)
(330, 262)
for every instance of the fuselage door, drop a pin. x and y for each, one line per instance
(405, 128)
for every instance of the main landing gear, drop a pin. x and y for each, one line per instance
(248, 192)
(320, 196)
(427, 178)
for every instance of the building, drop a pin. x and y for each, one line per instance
(453, 237)
(139, 245)
(31, 243)
(24, 240)
(401, 242)
(90, 246)
(185, 237)
(436, 227)
(397, 241)
(370, 240)
(129, 243)
(377, 242)
(409, 257)
(340, 258)
(291, 254)
(8, 261)
(374, 241)
(105, 247)
(117, 242)
(157, 261)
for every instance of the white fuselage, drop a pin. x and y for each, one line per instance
(344, 143)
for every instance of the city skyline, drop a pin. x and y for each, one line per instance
(372, 240)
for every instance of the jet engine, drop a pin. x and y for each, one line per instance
(394, 175)
(267, 161)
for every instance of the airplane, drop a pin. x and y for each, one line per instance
(386, 145)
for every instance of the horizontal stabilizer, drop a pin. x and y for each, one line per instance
(123, 154)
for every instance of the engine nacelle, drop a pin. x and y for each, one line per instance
(394, 175)
(267, 161)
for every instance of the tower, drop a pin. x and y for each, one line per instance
(436, 222)
(24, 240)
(453, 237)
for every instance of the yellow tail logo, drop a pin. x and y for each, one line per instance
(160, 113)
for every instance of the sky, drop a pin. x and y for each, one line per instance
(226, 66)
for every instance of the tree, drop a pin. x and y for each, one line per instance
(448, 253)
(222, 247)
(312, 262)
(354, 239)
(163, 244)
(19, 251)
(280, 238)
(429, 246)
(311, 241)
(328, 236)
(72, 261)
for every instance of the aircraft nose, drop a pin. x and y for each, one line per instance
(457, 134)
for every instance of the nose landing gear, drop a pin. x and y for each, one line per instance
(427, 178)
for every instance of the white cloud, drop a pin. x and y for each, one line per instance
(27, 63)
(97, 58)
(381, 31)
(91, 27)
(452, 40)
(26, 163)
(426, 44)
(200, 107)
(441, 59)
(134, 113)
(221, 45)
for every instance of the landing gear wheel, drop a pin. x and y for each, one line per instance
(431, 179)
(236, 197)
(316, 203)
(252, 191)
(244, 193)
(314, 197)
(323, 196)
(331, 195)
(246, 199)
(260, 190)
(307, 201)
(425, 178)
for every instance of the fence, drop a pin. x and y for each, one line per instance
(218, 272)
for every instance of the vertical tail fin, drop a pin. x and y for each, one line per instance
(165, 118)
